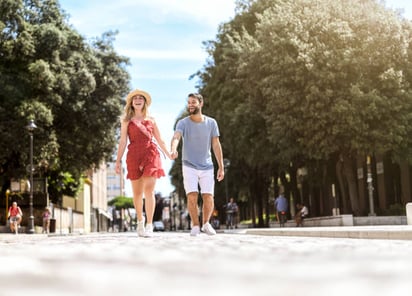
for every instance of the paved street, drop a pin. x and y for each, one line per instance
(226, 264)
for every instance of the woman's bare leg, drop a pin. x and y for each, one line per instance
(137, 187)
(150, 202)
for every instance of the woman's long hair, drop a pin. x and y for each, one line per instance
(129, 109)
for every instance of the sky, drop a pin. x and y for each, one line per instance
(164, 41)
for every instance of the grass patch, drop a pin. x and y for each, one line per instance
(272, 217)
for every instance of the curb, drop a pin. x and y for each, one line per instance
(358, 232)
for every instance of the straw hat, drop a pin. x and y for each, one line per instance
(141, 93)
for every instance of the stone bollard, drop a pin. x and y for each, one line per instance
(409, 213)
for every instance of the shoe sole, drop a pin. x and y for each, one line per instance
(209, 233)
(148, 234)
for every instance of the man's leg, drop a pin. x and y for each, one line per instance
(298, 220)
(190, 183)
(208, 206)
(302, 218)
(207, 186)
(192, 207)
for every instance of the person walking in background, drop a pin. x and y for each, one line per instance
(15, 215)
(231, 214)
(143, 158)
(215, 219)
(200, 134)
(46, 220)
(281, 204)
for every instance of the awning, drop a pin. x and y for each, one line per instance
(106, 214)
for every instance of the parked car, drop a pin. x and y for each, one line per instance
(158, 226)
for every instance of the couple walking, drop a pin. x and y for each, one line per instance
(200, 135)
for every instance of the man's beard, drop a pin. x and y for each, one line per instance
(195, 111)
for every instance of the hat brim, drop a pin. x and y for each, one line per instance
(141, 93)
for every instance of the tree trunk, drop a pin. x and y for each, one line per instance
(259, 196)
(341, 194)
(252, 206)
(348, 170)
(267, 207)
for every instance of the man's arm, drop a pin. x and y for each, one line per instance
(173, 145)
(217, 150)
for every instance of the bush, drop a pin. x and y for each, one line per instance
(395, 210)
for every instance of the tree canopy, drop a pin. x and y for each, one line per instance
(72, 87)
(302, 83)
(121, 202)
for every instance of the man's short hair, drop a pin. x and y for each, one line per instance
(196, 96)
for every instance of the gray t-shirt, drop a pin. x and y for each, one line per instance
(197, 141)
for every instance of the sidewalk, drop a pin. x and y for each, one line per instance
(394, 232)
(400, 232)
(177, 264)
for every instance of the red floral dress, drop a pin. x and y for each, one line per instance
(143, 157)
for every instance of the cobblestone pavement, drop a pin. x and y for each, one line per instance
(225, 264)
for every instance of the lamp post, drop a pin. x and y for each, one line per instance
(369, 180)
(31, 127)
(226, 164)
(7, 202)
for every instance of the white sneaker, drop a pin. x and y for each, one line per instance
(208, 229)
(195, 231)
(140, 228)
(149, 230)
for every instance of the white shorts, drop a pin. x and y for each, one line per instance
(193, 178)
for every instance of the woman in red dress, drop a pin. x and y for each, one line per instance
(143, 158)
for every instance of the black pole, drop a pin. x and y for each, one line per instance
(226, 187)
(31, 218)
(31, 127)
(226, 164)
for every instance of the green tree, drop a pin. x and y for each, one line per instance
(72, 88)
(337, 83)
(121, 202)
(244, 138)
(305, 82)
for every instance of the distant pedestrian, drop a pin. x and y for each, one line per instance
(46, 220)
(15, 214)
(143, 158)
(215, 219)
(231, 214)
(200, 135)
(281, 204)
(302, 213)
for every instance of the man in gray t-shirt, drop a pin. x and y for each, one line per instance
(200, 135)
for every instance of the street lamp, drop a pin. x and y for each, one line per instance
(226, 164)
(369, 180)
(30, 128)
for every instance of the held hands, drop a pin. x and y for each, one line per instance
(173, 155)
(168, 154)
